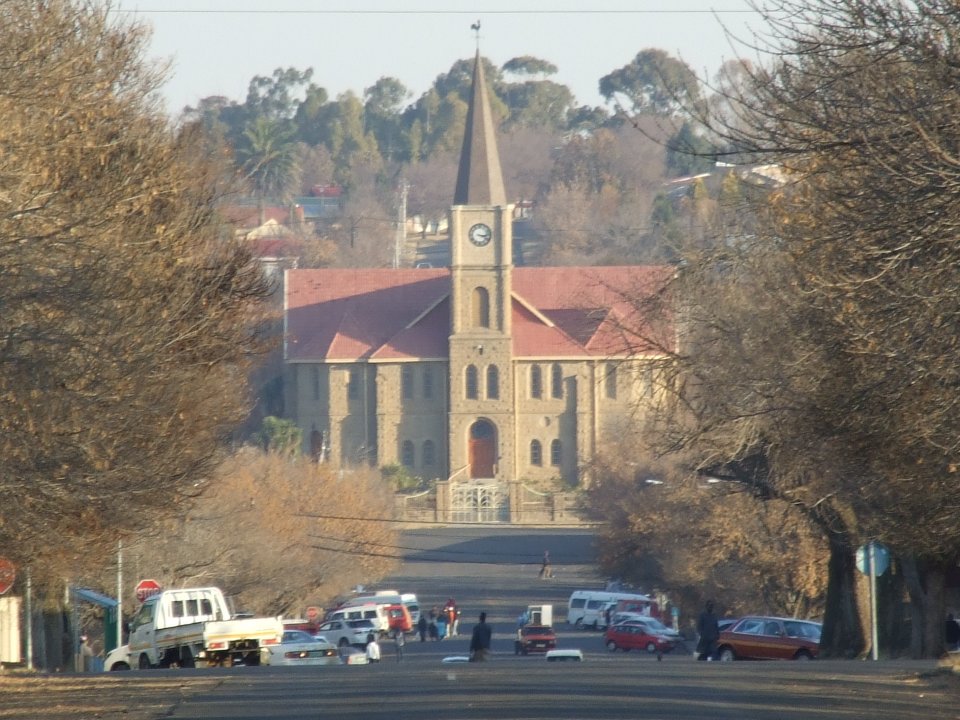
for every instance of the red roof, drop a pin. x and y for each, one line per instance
(405, 314)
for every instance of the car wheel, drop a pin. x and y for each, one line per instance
(343, 642)
(579, 623)
(186, 658)
(144, 662)
(119, 666)
(802, 655)
(651, 647)
(726, 655)
(612, 646)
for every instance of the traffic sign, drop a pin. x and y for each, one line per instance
(881, 557)
(8, 573)
(147, 588)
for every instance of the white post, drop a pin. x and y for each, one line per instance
(872, 555)
(29, 614)
(119, 593)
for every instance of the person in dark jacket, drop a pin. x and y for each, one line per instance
(422, 628)
(480, 640)
(708, 628)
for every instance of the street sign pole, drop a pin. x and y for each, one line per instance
(872, 550)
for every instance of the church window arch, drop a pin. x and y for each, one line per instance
(406, 453)
(429, 453)
(536, 453)
(556, 380)
(493, 382)
(472, 382)
(536, 382)
(555, 451)
(480, 307)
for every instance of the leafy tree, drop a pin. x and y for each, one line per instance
(529, 65)
(269, 159)
(127, 309)
(382, 113)
(276, 97)
(654, 83)
(279, 436)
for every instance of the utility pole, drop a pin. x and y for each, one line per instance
(401, 235)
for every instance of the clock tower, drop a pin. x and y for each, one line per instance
(482, 423)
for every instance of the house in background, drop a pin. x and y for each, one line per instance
(481, 372)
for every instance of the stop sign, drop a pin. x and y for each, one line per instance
(8, 573)
(146, 588)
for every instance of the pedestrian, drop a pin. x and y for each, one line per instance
(422, 627)
(480, 640)
(432, 630)
(708, 629)
(451, 620)
(86, 655)
(456, 621)
(399, 641)
(545, 571)
(441, 627)
(373, 649)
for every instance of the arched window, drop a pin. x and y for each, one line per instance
(353, 384)
(406, 453)
(536, 382)
(472, 382)
(493, 382)
(556, 380)
(480, 307)
(536, 453)
(406, 380)
(428, 382)
(429, 454)
(555, 449)
(611, 381)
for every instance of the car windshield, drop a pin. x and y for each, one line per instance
(537, 630)
(298, 636)
(655, 624)
(360, 623)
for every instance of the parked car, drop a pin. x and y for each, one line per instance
(348, 632)
(770, 638)
(632, 635)
(298, 647)
(352, 656)
(655, 626)
(535, 639)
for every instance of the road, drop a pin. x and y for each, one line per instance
(496, 571)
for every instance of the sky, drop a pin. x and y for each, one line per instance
(216, 47)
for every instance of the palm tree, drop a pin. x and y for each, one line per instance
(268, 157)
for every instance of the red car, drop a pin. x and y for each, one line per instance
(770, 638)
(629, 636)
(535, 639)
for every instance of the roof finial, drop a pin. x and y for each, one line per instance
(476, 28)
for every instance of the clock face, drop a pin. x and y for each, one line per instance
(480, 234)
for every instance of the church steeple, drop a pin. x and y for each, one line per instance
(479, 179)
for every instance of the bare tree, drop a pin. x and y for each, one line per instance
(125, 323)
(277, 532)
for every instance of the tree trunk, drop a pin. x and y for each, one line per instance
(842, 630)
(925, 584)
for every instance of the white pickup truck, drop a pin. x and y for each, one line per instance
(191, 627)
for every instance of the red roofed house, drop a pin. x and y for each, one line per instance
(479, 373)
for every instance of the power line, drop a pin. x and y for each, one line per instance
(471, 13)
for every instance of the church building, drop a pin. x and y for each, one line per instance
(479, 372)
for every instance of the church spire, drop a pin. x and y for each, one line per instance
(479, 179)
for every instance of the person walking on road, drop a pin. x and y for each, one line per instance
(422, 627)
(708, 628)
(373, 649)
(399, 641)
(480, 640)
(545, 571)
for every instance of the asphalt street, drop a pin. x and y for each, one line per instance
(496, 570)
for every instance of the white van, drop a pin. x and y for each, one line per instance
(375, 613)
(389, 597)
(586, 608)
